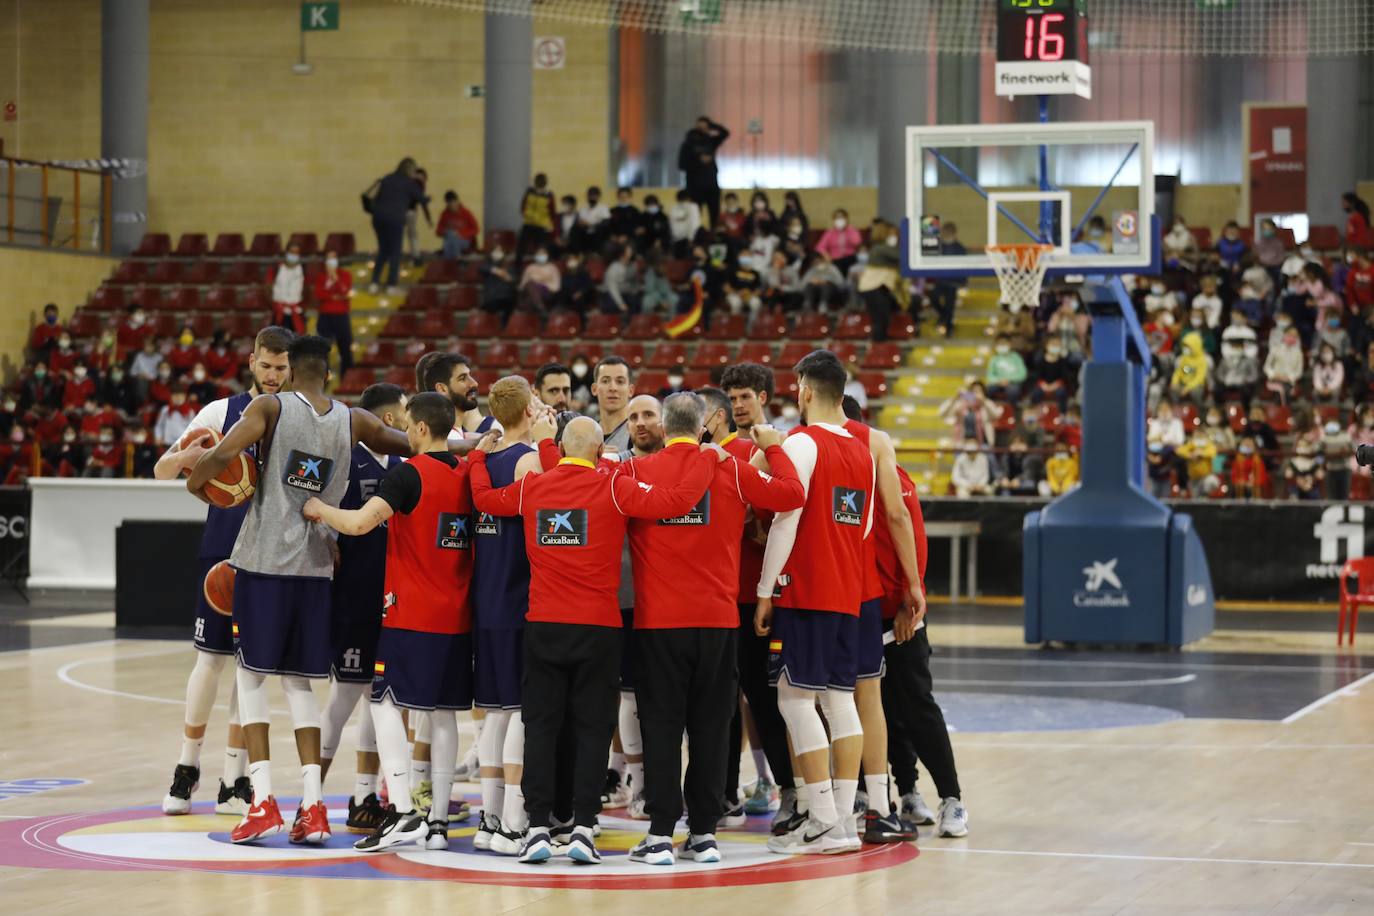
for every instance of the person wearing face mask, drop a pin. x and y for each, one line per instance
(160, 388)
(944, 292)
(389, 201)
(971, 474)
(133, 330)
(577, 291)
(538, 213)
(40, 389)
(794, 216)
(592, 222)
(822, 285)
(1332, 334)
(1061, 472)
(760, 220)
(9, 417)
(1221, 435)
(1304, 472)
(696, 158)
(1230, 247)
(540, 282)
(1054, 377)
(457, 227)
(498, 284)
(288, 292)
(1159, 298)
(653, 230)
(70, 456)
(1192, 370)
(625, 216)
(46, 332)
(333, 292)
(732, 218)
(1199, 456)
(659, 295)
(1180, 246)
(684, 222)
(64, 356)
(789, 415)
(565, 227)
(881, 285)
(203, 389)
(219, 359)
(184, 354)
(1006, 372)
(840, 241)
(1283, 366)
(1197, 324)
(80, 387)
(1328, 376)
(106, 456)
(581, 382)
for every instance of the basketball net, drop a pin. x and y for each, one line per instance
(1020, 272)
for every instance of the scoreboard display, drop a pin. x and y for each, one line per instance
(1042, 48)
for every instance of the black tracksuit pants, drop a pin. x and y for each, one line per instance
(685, 681)
(572, 676)
(763, 703)
(915, 725)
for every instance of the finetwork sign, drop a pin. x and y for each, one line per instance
(1102, 586)
(1340, 525)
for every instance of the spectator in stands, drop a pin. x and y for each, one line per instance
(79, 388)
(160, 388)
(1197, 324)
(1230, 247)
(733, 217)
(793, 213)
(793, 241)
(592, 222)
(1069, 325)
(787, 416)
(185, 354)
(1220, 434)
(1006, 372)
(498, 283)
(1054, 376)
(1070, 429)
(855, 388)
(203, 389)
(622, 287)
(1180, 246)
(1358, 233)
(174, 418)
(1284, 365)
(971, 475)
(761, 220)
(134, 330)
(1208, 300)
(288, 291)
(333, 292)
(696, 157)
(1333, 335)
(624, 216)
(62, 357)
(581, 376)
(1022, 471)
(972, 415)
(219, 360)
(1359, 282)
(822, 285)
(1165, 427)
(389, 201)
(684, 222)
(1098, 236)
(1249, 476)
(881, 285)
(1328, 376)
(782, 283)
(840, 242)
(144, 366)
(9, 417)
(1303, 472)
(69, 457)
(944, 291)
(1199, 455)
(1361, 430)
(1018, 327)
(1269, 248)
(1061, 472)
(1159, 470)
(659, 294)
(1337, 447)
(759, 255)
(1257, 426)
(413, 217)
(46, 332)
(566, 225)
(1159, 299)
(676, 383)
(1192, 371)
(540, 282)
(578, 289)
(120, 390)
(654, 231)
(1322, 301)
(107, 457)
(457, 227)
(537, 217)
(741, 288)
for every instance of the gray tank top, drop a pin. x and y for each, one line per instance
(309, 456)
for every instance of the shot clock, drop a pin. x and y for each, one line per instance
(1042, 48)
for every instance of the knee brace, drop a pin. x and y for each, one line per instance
(631, 738)
(798, 708)
(513, 752)
(252, 692)
(841, 714)
(305, 712)
(492, 737)
(202, 686)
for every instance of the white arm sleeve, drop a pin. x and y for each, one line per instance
(211, 416)
(783, 534)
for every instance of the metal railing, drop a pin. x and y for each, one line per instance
(56, 206)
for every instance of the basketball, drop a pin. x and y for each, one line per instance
(235, 484)
(193, 436)
(219, 588)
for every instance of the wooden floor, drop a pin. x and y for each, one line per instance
(1270, 809)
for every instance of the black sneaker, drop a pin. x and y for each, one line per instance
(365, 816)
(886, 828)
(235, 799)
(791, 823)
(185, 780)
(395, 829)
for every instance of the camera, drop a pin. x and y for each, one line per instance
(1364, 455)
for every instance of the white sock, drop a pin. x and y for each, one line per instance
(845, 790)
(761, 764)
(235, 764)
(878, 798)
(419, 770)
(493, 794)
(364, 785)
(310, 779)
(513, 816)
(444, 749)
(190, 751)
(618, 762)
(261, 775)
(635, 774)
(391, 747)
(803, 799)
(822, 801)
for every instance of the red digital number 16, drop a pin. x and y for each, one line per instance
(1051, 44)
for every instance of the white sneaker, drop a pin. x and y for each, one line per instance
(811, 838)
(537, 848)
(734, 816)
(654, 850)
(507, 842)
(701, 848)
(915, 809)
(486, 828)
(635, 809)
(395, 829)
(438, 835)
(851, 834)
(467, 770)
(953, 818)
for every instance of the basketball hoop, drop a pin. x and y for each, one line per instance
(1020, 272)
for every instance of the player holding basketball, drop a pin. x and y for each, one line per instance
(213, 636)
(284, 566)
(813, 568)
(424, 654)
(356, 601)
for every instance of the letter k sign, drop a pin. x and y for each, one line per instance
(319, 17)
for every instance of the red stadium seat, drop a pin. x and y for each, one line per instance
(201, 325)
(1324, 238)
(470, 273)
(632, 353)
(768, 326)
(712, 355)
(668, 355)
(220, 299)
(183, 299)
(154, 245)
(265, 245)
(481, 325)
(129, 273)
(460, 298)
(228, 245)
(401, 324)
(1203, 235)
(1279, 417)
(150, 297)
(1286, 236)
(401, 376)
(106, 299)
(811, 326)
(854, 326)
(379, 354)
(84, 324)
(309, 243)
(1188, 416)
(785, 382)
(875, 384)
(485, 378)
(201, 273)
(254, 299)
(502, 355)
(192, 245)
(165, 325)
(793, 353)
(847, 353)
(885, 355)
(901, 327)
(440, 271)
(602, 326)
(165, 273)
(355, 382)
(677, 271)
(591, 352)
(644, 327)
(239, 326)
(725, 326)
(521, 325)
(1247, 235)
(421, 299)
(1235, 417)
(651, 382)
(503, 237)
(413, 351)
(541, 353)
(435, 325)
(756, 353)
(242, 273)
(341, 243)
(563, 325)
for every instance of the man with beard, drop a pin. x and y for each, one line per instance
(613, 385)
(553, 386)
(450, 374)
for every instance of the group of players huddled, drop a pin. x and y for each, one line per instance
(588, 586)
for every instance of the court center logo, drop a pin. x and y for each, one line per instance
(848, 506)
(561, 527)
(308, 472)
(1340, 527)
(1102, 586)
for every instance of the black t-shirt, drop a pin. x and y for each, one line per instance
(401, 486)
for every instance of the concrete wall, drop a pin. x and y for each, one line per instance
(29, 279)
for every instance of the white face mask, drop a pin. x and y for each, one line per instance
(79, 372)
(840, 222)
(293, 258)
(331, 263)
(497, 254)
(674, 381)
(652, 208)
(892, 240)
(541, 258)
(199, 375)
(1157, 289)
(1002, 348)
(790, 413)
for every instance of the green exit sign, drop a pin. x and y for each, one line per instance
(1205, 5)
(700, 11)
(319, 17)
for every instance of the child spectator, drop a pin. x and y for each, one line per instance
(822, 285)
(1054, 377)
(1230, 247)
(1006, 372)
(783, 284)
(654, 231)
(840, 242)
(1303, 472)
(1061, 472)
(1337, 448)
(761, 219)
(971, 475)
(79, 388)
(1159, 470)
(537, 213)
(1358, 233)
(1022, 471)
(1328, 376)
(46, 332)
(684, 222)
(1199, 454)
(457, 227)
(732, 218)
(1249, 477)
(1180, 246)
(624, 216)
(1283, 366)
(1164, 427)
(1208, 300)
(540, 282)
(1192, 371)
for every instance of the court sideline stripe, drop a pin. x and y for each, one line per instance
(1139, 682)
(1144, 858)
(1349, 690)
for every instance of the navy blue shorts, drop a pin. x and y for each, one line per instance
(627, 650)
(423, 670)
(869, 649)
(498, 665)
(281, 625)
(214, 631)
(816, 650)
(356, 623)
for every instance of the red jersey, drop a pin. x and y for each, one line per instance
(575, 530)
(750, 549)
(429, 554)
(824, 570)
(1359, 287)
(707, 537)
(77, 392)
(332, 295)
(889, 568)
(873, 586)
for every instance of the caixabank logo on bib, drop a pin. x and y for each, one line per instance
(1340, 537)
(1102, 586)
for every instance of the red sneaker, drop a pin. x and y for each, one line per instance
(312, 824)
(262, 820)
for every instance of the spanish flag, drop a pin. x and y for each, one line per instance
(684, 323)
(379, 667)
(236, 630)
(775, 646)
